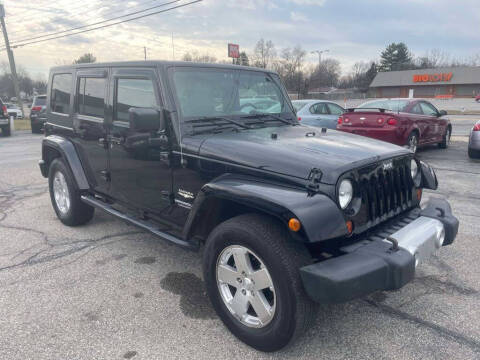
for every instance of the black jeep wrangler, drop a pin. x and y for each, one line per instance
(288, 215)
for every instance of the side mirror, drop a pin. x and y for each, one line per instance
(442, 112)
(146, 120)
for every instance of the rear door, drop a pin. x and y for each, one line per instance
(335, 111)
(91, 90)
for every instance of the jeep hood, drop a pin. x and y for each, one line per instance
(296, 150)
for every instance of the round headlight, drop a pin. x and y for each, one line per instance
(345, 193)
(413, 169)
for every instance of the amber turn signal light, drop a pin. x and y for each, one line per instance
(294, 224)
(349, 224)
(419, 194)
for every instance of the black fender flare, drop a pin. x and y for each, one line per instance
(69, 154)
(320, 217)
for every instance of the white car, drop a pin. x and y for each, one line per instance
(319, 113)
(14, 110)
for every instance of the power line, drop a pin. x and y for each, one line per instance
(104, 26)
(78, 15)
(96, 23)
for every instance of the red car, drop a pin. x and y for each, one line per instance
(477, 98)
(405, 122)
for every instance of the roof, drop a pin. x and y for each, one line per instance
(460, 75)
(154, 63)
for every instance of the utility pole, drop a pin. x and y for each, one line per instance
(11, 59)
(145, 52)
(173, 48)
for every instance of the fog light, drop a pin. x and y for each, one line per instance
(294, 224)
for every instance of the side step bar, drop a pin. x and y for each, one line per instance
(90, 200)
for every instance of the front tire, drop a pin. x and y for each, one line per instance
(65, 197)
(251, 272)
(446, 139)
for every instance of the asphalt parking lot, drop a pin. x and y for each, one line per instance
(110, 291)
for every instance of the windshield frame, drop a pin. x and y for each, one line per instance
(183, 121)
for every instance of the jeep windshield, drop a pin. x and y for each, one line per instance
(216, 99)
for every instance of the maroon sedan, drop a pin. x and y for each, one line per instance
(404, 122)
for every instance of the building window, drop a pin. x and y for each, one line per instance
(136, 93)
(91, 97)
(60, 94)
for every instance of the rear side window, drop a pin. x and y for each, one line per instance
(60, 95)
(91, 97)
(137, 93)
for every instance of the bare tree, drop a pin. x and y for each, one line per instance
(327, 74)
(264, 53)
(196, 57)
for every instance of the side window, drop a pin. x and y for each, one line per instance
(60, 93)
(138, 93)
(319, 109)
(91, 97)
(335, 109)
(428, 109)
(417, 109)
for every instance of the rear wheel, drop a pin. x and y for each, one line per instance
(446, 139)
(6, 131)
(251, 272)
(473, 154)
(412, 142)
(65, 197)
(36, 128)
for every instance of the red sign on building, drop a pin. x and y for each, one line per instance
(233, 51)
(432, 77)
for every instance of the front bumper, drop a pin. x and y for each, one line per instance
(375, 263)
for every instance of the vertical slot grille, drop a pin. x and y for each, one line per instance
(387, 192)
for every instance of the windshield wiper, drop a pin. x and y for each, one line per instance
(274, 117)
(214, 118)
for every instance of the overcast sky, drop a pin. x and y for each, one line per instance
(353, 30)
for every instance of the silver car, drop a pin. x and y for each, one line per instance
(474, 142)
(319, 113)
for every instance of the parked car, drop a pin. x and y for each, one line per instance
(477, 98)
(288, 217)
(319, 113)
(405, 122)
(4, 120)
(38, 113)
(474, 141)
(14, 110)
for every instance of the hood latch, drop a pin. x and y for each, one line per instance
(314, 180)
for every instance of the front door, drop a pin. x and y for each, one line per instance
(89, 125)
(139, 169)
(431, 115)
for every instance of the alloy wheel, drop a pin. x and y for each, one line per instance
(61, 193)
(246, 286)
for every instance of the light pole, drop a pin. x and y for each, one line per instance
(319, 52)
